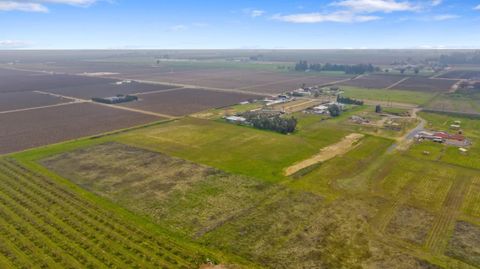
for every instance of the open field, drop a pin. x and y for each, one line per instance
(421, 84)
(455, 102)
(33, 128)
(187, 101)
(20, 100)
(462, 74)
(269, 222)
(260, 154)
(39, 217)
(374, 202)
(374, 81)
(181, 192)
(109, 89)
(401, 96)
(249, 80)
(19, 81)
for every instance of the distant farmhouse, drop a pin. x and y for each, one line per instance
(115, 99)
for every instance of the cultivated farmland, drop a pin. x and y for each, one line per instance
(33, 128)
(374, 81)
(18, 81)
(202, 191)
(22, 100)
(462, 74)
(45, 224)
(422, 84)
(186, 101)
(109, 89)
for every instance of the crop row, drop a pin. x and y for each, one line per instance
(46, 224)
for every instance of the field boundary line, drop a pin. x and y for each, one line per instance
(137, 110)
(157, 91)
(397, 83)
(75, 99)
(41, 107)
(196, 87)
(79, 100)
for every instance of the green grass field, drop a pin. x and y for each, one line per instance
(400, 96)
(208, 190)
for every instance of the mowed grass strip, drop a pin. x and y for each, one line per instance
(324, 179)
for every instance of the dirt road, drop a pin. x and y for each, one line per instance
(345, 145)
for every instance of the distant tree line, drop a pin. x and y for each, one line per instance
(348, 100)
(460, 58)
(273, 123)
(356, 69)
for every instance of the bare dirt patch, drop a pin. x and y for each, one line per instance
(465, 243)
(345, 145)
(411, 224)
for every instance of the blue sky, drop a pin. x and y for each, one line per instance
(211, 24)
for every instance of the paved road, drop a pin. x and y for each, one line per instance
(405, 140)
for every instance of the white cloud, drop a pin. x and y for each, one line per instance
(371, 6)
(20, 6)
(339, 16)
(436, 2)
(253, 12)
(477, 7)
(445, 17)
(178, 28)
(256, 13)
(13, 44)
(68, 2)
(40, 5)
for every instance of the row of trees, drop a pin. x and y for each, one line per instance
(356, 69)
(334, 110)
(348, 100)
(116, 100)
(461, 58)
(273, 123)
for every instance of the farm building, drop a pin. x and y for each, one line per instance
(320, 109)
(444, 137)
(116, 99)
(236, 119)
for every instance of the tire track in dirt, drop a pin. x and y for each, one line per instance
(383, 217)
(444, 223)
